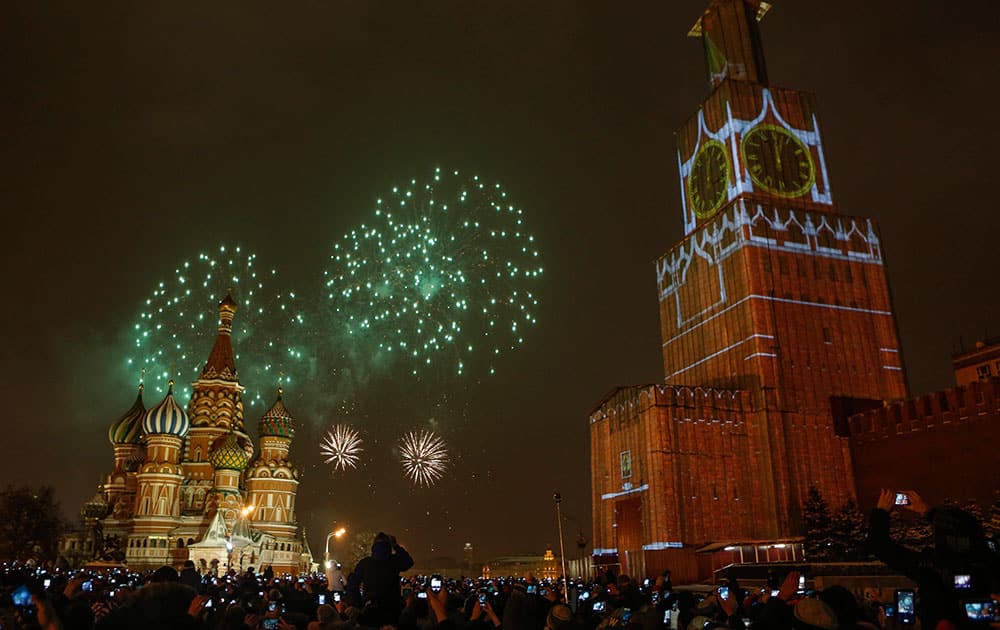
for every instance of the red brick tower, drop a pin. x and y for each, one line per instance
(773, 290)
(773, 294)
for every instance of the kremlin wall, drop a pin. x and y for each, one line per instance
(943, 445)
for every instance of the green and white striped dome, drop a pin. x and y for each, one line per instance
(128, 428)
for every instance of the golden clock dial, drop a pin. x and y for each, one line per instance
(708, 180)
(777, 161)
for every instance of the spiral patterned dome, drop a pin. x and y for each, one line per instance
(128, 428)
(227, 453)
(166, 418)
(276, 421)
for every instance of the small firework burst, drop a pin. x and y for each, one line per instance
(341, 447)
(424, 457)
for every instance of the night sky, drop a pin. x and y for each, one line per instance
(135, 135)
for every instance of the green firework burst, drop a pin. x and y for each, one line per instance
(178, 324)
(444, 274)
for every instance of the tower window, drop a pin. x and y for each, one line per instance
(827, 337)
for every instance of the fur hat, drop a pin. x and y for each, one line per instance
(165, 574)
(816, 613)
(559, 616)
(325, 613)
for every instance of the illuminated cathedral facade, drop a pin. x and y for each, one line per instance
(188, 484)
(775, 316)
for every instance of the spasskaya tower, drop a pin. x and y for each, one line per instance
(773, 308)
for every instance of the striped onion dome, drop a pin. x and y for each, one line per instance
(276, 421)
(166, 418)
(227, 453)
(128, 428)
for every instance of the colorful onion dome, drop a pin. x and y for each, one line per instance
(128, 428)
(227, 453)
(276, 421)
(166, 418)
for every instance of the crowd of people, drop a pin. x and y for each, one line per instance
(957, 572)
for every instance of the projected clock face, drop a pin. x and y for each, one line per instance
(709, 179)
(777, 161)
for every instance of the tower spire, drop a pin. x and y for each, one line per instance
(728, 29)
(221, 362)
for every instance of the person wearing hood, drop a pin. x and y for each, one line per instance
(374, 583)
(335, 580)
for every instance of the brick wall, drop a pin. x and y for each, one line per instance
(944, 445)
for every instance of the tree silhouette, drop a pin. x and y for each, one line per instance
(819, 543)
(30, 523)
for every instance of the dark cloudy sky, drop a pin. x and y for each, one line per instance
(134, 134)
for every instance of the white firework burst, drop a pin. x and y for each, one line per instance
(424, 457)
(341, 447)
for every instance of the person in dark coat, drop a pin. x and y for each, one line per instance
(378, 577)
(960, 547)
(190, 576)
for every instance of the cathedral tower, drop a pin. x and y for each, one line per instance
(157, 510)
(125, 435)
(215, 409)
(229, 459)
(272, 480)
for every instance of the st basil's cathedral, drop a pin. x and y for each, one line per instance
(187, 486)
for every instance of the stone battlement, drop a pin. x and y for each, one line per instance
(631, 400)
(950, 406)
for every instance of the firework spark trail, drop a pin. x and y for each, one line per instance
(341, 447)
(177, 325)
(444, 273)
(425, 457)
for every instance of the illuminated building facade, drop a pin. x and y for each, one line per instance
(543, 567)
(773, 307)
(185, 484)
(979, 364)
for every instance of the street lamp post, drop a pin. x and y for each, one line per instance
(338, 534)
(562, 550)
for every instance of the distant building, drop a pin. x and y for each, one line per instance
(187, 486)
(543, 567)
(979, 364)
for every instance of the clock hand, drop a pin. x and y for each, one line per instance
(779, 146)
